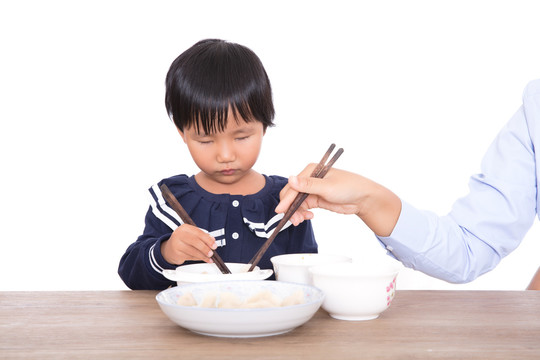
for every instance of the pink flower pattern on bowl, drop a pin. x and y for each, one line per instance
(391, 291)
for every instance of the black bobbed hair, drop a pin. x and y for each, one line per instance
(213, 77)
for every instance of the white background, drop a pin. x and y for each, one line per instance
(414, 91)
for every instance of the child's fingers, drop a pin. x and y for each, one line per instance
(188, 242)
(185, 251)
(194, 251)
(204, 245)
(197, 235)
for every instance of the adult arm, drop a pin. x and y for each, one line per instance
(482, 227)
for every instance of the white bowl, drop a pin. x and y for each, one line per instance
(240, 322)
(202, 272)
(294, 267)
(356, 291)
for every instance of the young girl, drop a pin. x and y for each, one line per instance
(219, 97)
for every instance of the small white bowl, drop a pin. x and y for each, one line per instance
(240, 322)
(203, 272)
(294, 267)
(356, 291)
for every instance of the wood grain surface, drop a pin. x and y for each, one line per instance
(130, 325)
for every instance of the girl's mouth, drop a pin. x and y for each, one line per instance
(228, 172)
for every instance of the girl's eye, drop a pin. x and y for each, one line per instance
(242, 138)
(205, 142)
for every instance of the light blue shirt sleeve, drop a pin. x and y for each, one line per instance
(491, 220)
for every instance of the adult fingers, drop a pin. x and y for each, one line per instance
(288, 193)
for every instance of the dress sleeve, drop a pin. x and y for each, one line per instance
(142, 264)
(483, 226)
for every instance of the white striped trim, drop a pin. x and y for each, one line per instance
(261, 230)
(287, 224)
(274, 220)
(153, 261)
(161, 202)
(162, 217)
(221, 242)
(166, 208)
(217, 233)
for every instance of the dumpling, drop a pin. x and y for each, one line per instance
(294, 299)
(209, 300)
(187, 299)
(263, 299)
(228, 300)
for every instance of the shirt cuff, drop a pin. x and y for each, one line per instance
(407, 240)
(157, 261)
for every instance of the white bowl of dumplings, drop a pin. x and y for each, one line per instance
(251, 308)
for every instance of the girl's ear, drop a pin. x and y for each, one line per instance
(181, 134)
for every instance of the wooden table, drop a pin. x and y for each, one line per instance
(130, 324)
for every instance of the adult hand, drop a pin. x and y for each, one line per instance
(343, 192)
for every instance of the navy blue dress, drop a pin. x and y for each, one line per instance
(240, 225)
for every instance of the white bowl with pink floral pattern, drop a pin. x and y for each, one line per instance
(356, 291)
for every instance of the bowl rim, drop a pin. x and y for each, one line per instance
(205, 264)
(185, 276)
(273, 259)
(391, 270)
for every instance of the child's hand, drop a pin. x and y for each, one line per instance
(188, 242)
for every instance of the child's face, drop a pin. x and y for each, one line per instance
(226, 157)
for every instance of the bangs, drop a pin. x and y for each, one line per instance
(213, 79)
(213, 119)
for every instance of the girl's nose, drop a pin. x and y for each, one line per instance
(226, 153)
